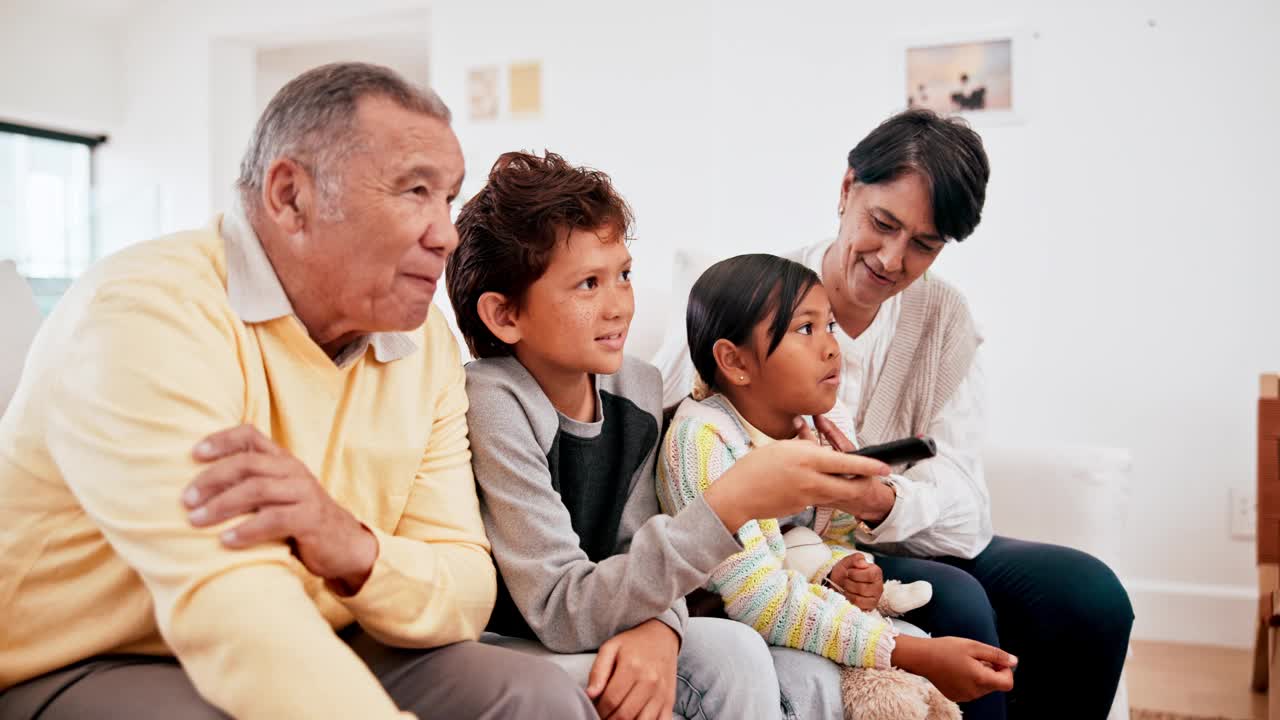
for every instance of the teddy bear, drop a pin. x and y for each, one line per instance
(871, 694)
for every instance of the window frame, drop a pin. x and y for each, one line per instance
(48, 290)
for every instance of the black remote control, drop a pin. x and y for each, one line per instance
(901, 452)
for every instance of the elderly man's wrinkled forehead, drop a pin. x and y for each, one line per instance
(394, 137)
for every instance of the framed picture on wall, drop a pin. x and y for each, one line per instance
(978, 75)
(482, 93)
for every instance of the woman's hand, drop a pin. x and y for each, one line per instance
(832, 434)
(874, 505)
(961, 669)
(788, 476)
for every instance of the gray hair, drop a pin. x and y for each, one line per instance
(312, 120)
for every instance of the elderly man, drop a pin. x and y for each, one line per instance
(235, 477)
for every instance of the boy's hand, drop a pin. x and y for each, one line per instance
(876, 505)
(634, 675)
(815, 476)
(861, 582)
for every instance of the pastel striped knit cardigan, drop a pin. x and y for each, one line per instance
(786, 608)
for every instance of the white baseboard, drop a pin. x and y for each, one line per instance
(1193, 613)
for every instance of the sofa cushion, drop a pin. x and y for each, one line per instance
(672, 354)
(1076, 496)
(21, 319)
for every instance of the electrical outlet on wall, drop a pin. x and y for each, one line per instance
(1244, 513)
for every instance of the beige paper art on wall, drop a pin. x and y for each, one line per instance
(526, 88)
(482, 91)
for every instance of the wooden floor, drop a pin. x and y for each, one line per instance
(1196, 680)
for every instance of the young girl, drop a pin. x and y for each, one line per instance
(760, 335)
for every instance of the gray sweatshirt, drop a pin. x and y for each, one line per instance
(571, 510)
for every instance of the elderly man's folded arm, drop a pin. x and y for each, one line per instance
(131, 401)
(433, 582)
(255, 645)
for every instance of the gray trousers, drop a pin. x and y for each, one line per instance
(723, 671)
(465, 680)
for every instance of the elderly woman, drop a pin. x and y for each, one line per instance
(912, 367)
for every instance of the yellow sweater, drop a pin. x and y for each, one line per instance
(142, 359)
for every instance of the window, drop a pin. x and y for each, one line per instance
(46, 200)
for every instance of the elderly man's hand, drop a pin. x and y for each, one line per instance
(250, 475)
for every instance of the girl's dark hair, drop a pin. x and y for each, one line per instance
(735, 295)
(946, 152)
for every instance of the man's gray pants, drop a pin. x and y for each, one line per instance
(465, 680)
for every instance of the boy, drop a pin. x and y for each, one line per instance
(564, 434)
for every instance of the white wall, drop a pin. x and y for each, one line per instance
(406, 52)
(232, 70)
(626, 87)
(59, 72)
(190, 89)
(1122, 273)
(269, 68)
(66, 70)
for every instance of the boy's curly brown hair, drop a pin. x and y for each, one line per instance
(508, 231)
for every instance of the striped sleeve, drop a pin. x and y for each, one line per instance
(782, 605)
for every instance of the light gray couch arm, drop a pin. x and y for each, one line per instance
(21, 318)
(1076, 496)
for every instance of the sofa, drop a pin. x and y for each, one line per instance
(1075, 496)
(18, 324)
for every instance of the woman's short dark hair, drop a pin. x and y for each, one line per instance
(508, 231)
(946, 152)
(735, 295)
